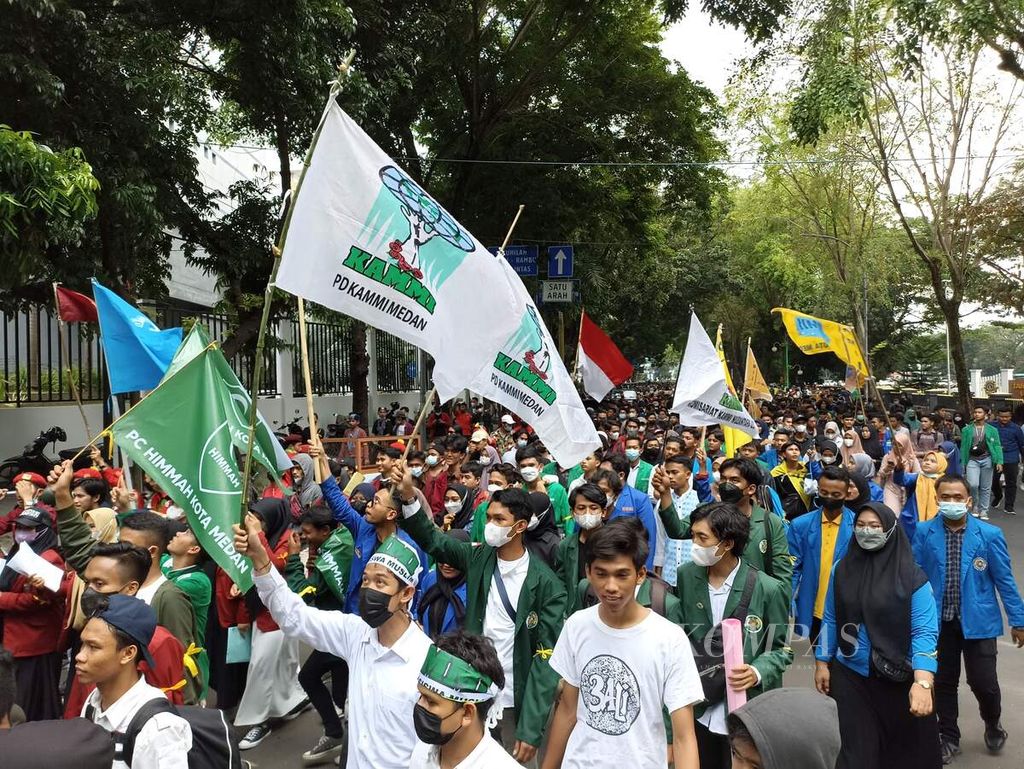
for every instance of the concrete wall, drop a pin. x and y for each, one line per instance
(19, 425)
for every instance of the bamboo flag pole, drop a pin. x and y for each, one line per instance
(746, 377)
(62, 331)
(268, 296)
(314, 435)
(427, 403)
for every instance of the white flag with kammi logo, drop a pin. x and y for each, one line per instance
(528, 377)
(367, 240)
(702, 395)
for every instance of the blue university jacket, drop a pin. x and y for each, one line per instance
(804, 535)
(365, 536)
(984, 570)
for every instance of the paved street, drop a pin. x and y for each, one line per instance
(285, 746)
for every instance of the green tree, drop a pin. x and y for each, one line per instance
(46, 200)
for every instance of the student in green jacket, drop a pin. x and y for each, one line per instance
(501, 476)
(711, 588)
(639, 475)
(590, 510)
(513, 599)
(184, 566)
(739, 481)
(323, 585)
(530, 460)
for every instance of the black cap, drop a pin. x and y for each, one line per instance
(134, 618)
(33, 517)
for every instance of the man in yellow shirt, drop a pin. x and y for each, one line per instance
(816, 541)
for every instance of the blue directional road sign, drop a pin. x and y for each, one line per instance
(560, 261)
(522, 258)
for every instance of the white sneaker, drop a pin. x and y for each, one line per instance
(984, 515)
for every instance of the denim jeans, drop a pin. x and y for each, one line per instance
(979, 480)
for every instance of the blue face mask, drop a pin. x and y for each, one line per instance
(632, 454)
(954, 511)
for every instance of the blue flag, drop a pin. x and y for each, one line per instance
(138, 353)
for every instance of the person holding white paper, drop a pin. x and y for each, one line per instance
(32, 607)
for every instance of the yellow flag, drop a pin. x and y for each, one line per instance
(815, 335)
(733, 438)
(753, 379)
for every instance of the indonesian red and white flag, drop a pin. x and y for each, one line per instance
(599, 361)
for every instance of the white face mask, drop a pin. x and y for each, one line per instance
(704, 556)
(431, 459)
(530, 474)
(496, 536)
(801, 428)
(828, 460)
(587, 521)
(611, 500)
(534, 522)
(493, 487)
(453, 506)
(848, 442)
(717, 476)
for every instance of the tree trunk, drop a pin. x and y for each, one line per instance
(951, 311)
(359, 370)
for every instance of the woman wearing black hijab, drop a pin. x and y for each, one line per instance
(458, 503)
(272, 688)
(33, 619)
(542, 535)
(442, 607)
(876, 654)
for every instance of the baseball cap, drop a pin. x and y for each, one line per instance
(479, 435)
(34, 517)
(134, 618)
(507, 419)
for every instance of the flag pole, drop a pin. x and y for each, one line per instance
(62, 331)
(314, 435)
(427, 403)
(743, 398)
(268, 295)
(579, 339)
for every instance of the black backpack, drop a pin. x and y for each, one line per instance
(709, 654)
(214, 745)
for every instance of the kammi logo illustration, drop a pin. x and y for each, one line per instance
(527, 360)
(811, 327)
(218, 466)
(425, 244)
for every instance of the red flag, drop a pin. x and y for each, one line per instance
(599, 361)
(73, 307)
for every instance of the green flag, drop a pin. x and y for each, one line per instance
(185, 435)
(335, 560)
(195, 343)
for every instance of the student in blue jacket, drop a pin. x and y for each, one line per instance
(876, 655)
(817, 540)
(965, 599)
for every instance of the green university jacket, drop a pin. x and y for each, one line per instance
(765, 633)
(539, 617)
(763, 525)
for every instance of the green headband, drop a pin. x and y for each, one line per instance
(455, 679)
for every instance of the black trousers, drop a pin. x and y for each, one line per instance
(980, 660)
(876, 727)
(37, 681)
(712, 749)
(311, 679)
(1004, 485)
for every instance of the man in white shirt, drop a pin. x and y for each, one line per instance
(384, 648)
(114, 640)
(461, 670)
(621, 664)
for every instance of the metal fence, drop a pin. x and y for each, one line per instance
(35, 364)
(397, 366)
(219, 326)
(330, 352)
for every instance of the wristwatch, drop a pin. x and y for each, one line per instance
(924, 684)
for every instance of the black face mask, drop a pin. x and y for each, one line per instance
(374, 606)
(730, 492)
(428, 726)
(360, 506)
(650, 455)
(831, 504)
(93, 600)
